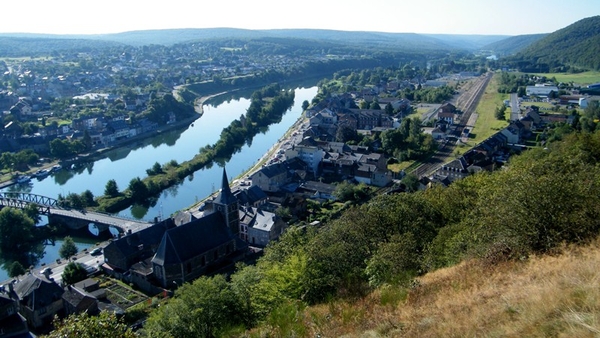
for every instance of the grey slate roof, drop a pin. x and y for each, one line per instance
(192, 239)
(37, 291)
(130, 244)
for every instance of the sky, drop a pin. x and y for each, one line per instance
(486, 17)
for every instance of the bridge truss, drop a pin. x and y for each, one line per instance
(21, 200)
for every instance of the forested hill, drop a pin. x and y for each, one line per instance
(577, 45)
(42, 45)
(513, 44)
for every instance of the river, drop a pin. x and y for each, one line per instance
(125, 164)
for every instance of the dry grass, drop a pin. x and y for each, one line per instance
(546, 296)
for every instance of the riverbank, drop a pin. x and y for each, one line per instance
(7, 179)
(274, 150)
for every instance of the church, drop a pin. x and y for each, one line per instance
(201, 246)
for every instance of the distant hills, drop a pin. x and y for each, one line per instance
(13, 44)
(513, 44)
(577, 45)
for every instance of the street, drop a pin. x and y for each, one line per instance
(515, 111)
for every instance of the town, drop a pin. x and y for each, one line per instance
(356, 140)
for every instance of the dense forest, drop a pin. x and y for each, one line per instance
(572, 48)
(513, 44)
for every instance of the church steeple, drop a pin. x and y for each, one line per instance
(227, 205)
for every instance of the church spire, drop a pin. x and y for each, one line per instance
(225, 183)
(225, 196)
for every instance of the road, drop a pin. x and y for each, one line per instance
(515, 114)
(89, 262)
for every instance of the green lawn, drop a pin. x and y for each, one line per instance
(584, 78)
(487, 124)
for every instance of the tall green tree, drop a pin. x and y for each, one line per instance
(138, 191)
(205, 308)
(111, 189)
(16, 231)
(68, 248)
(15, 269)
(73, 273)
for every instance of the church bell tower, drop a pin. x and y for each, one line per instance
(228, 206)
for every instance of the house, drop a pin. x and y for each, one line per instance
(119, 129)
(317, 190)
(324, 117)
(39, 299)
(514, 132)
(77, 301)
(271, 178)
(309, 152)
(455, 169)
(446, 112)
(11, 322)
(259, 227)
(201, 246)
(435, 132)
(250, 196)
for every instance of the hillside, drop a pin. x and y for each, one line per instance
(513, 44)
(547, 295)
(575, 45)
(469, 42)
(43, 45)
(403, 41)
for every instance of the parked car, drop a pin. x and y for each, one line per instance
(96, 252)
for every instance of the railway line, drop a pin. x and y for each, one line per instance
(467, 103)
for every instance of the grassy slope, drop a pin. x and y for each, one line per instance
(544, 296)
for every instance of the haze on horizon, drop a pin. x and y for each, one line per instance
(481, 17)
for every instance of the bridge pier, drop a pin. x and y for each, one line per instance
(73, 223)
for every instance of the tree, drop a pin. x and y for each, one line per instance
(138, 191)
(15, 269)
(87, 197)
(345, 133)
(500, 112)
(111, 189)
(411, 181)
(305, 105)
(105, 325)
(73, 273)
(16, 231)
(68, 248)
(204, 308)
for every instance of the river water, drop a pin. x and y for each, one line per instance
(125, 164)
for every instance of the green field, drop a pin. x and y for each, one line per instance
(487, 124)
(584, 78)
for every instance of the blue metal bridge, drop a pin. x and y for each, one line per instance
(49, 206)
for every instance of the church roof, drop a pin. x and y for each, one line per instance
(192, 239)
(225, 196)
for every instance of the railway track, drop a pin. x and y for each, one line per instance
(467, 103)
